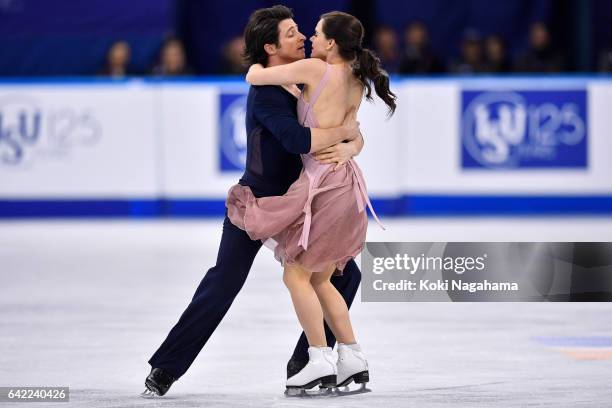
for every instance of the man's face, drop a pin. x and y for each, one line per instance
(539, 36)
(119, 54)
(472, 51)
(173, 57)
(416, 36)
(291, 41)
(495, 49)
(386, 41)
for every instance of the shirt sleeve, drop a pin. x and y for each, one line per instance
(271, 109)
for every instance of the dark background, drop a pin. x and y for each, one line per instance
(71, 37)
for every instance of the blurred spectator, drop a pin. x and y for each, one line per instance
(231, 57)
(385, 45)
(117, 60)
(605, 60)
(541, 55)
(418, 56)
(471, 60)
(172, 61)
(497, 60)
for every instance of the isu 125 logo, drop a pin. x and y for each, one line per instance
(31, 131)
(232, 132)
(524, 129)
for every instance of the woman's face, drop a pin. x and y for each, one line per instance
(319, 42)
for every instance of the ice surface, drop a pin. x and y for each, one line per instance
(85, 304)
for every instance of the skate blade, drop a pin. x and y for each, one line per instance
(304, 393)
(149, 394)
(345, 390)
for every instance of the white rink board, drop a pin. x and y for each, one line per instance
(431, 153)
(147, 139)
(93, 141)
(189, 143)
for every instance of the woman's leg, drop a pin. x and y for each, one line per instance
(306, 304)
(334, 307)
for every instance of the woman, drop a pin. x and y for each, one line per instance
(320, 223)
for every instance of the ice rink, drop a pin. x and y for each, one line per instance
(85, 303)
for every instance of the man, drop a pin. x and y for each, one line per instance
(419, 57)
(275, 141)
(542, 55)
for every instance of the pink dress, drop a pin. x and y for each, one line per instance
(320, 221)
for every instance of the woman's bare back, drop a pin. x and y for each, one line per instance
(342, 94)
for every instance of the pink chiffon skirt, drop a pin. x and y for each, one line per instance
(321, 221)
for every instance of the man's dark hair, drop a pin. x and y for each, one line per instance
(262, 29)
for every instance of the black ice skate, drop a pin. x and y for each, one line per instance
(158, 383)
(295, 365)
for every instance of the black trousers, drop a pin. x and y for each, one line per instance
(215, 295)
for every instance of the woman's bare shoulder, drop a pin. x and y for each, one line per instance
(313, 70)
(316, 67)
(312, 66)
(316, 63)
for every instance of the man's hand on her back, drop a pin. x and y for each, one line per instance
(339, 154)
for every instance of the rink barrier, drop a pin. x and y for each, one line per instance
(408, 206)
(159, 124)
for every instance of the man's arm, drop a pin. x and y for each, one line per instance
(271, 109)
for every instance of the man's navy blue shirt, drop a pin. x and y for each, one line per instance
(275, 140)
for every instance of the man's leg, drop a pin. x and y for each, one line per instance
(210, 302)
(347, 285)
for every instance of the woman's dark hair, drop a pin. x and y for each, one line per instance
(261, 29)
(347, 31)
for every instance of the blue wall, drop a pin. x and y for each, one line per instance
(71, 37)
(448, 19)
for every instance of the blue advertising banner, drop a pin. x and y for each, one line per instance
(232, 132)
(524, 129)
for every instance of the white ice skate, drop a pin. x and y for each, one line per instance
(320, 370)
(352, 366)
